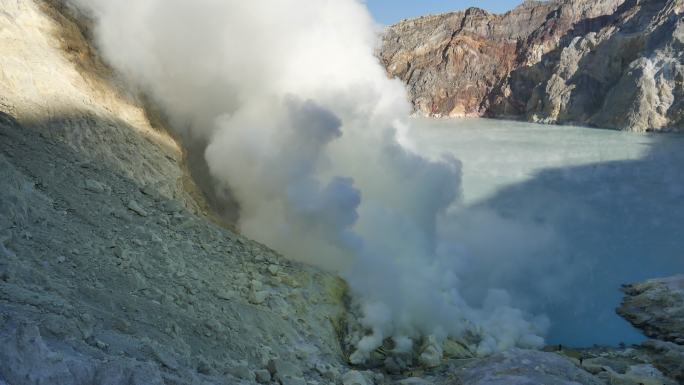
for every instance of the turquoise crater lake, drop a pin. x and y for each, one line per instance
(562, 216)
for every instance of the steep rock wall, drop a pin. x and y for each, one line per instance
(606, 63)
(110, 271)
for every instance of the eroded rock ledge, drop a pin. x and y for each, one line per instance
(607, 63)
(656, 307)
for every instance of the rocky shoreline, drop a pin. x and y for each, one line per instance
(605, 63)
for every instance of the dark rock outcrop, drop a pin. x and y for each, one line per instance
(656, 307)
(524, 367)
(667, 357)
(607, 63)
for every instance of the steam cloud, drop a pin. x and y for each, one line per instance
(305, 129)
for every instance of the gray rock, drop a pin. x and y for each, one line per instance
(354, 377)
(149, 190)
(414, 381)
(327, 371)
(633, 374)
(258, 297)
(667, 357)
(148, 286)
(5, 273)
(273, 269)
(394, 365)
(225, 294)
(292, 381)
(128, 373)
(164, 357)
(137, 208)
(204, 367)
(646, 373)
(608, 63)
(25, 359)
(263, 376)
(281, 369)
(431, 356)
(243, 372)
(172, 207)
(519, 366)
(95, 186)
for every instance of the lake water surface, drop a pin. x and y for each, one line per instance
(562, 216)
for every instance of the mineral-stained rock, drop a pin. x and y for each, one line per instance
(656, 307)
(609, 63)
(94, 290)
(456, 349)
(431, 355)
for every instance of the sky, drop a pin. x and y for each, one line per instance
(392, 11)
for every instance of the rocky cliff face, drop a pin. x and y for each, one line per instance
(606, 63)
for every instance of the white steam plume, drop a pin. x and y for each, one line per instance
(303, 127)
